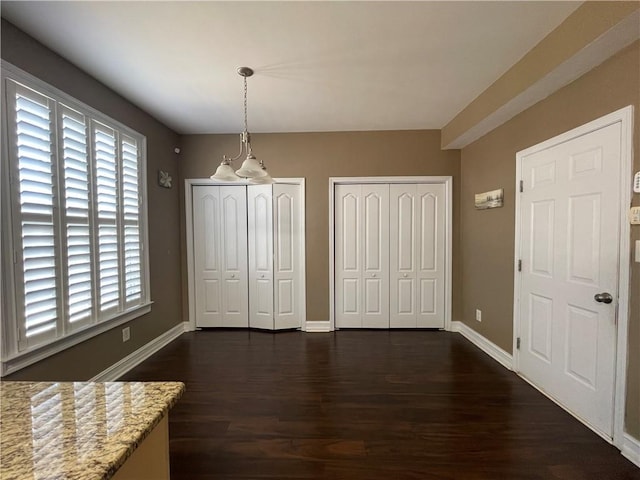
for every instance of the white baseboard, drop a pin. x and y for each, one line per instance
(498, 354)
(118, 369)
(317, 326)
(631, 449)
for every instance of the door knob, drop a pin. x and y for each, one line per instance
(603, 297)
(374, 275)
(233, 275)
(404, 275)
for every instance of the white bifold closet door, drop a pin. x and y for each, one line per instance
(275, 235)
(362, 255)
(417, 255)
(220, 256)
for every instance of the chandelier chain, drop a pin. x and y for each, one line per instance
(245, 104)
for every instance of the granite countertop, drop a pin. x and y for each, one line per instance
(77, 430)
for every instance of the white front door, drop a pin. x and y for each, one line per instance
(362, 256)
(569, 242)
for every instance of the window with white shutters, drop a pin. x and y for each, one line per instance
(74, 248)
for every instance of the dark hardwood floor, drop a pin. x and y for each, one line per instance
(364, 405)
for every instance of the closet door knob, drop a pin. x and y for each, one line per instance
(373, 275)
(404, 275)
(233, 275)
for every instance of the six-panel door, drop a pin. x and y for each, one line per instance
(569, 246)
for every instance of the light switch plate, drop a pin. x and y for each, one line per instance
(634, 215)
(637, 251)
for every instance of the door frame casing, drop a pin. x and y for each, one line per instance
(624, 116)
(447, 181)
(189, 183)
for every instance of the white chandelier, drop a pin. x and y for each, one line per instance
(251, 169)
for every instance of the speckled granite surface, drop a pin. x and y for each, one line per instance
(77, 430)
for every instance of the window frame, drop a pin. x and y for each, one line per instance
(13, 356)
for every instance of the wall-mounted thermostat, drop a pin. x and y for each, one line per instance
(636, 182)
(634, 215)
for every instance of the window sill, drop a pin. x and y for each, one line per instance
(20, 360)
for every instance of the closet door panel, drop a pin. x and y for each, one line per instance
(348, 256)
(206, 256)
(287, 237)
(260, 215)
(402, 253)
(431, 261)
(233, 232)
(220, 256)
(374, 248)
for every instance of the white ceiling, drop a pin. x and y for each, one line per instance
(320, 66)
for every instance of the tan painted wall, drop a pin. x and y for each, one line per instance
(487, 237)
(318, 156)
(585, 25)
(91, 357)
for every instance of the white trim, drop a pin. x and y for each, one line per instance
(188, 200)
(191, 290)
(317, 326)
(501, 356)
(625, 117)
(448, 184)
(24, 359)
(396, 180)
(121, 367)
(631, 449)
(303, 249)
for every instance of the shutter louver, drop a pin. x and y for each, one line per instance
(131, 214)
(36, 197)
(106, 168)
(78, 233)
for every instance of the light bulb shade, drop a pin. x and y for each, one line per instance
(251, 168)
(224, 173)
(264, 180)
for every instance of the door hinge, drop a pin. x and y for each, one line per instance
(519, 265)
(518, 343)
(521, 186)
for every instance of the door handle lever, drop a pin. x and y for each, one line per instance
(603, 297)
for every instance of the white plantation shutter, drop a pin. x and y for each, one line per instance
(106, 178)
(131, 217)
(76, 219)
(33, 172)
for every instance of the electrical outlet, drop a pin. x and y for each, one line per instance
(126, 334)
(634, 215)
(478, 315)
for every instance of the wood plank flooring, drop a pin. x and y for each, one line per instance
(364, 405)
